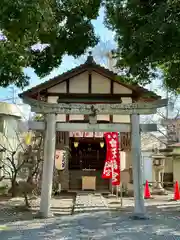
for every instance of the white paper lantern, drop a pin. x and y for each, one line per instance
(60, 159)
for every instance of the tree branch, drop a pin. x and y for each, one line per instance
(5, 170)
(162, 133)
(159, 139)
(20, 142)
(12, 162)
(8, 142)
(21, 165)
(5, 149)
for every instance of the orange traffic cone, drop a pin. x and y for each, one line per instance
(147, 193)
(176, 191)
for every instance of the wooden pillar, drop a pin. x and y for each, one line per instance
(139, 208)
(48, 165)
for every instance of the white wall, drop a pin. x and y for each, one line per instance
(60, 88)
(100, 84)
(147, 166)
(9, 138)
(79, 83)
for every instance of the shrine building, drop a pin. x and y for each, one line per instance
(90, 83)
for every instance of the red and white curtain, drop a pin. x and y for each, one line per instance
(112, 163)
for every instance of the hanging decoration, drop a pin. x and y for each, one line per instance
(60, 159)
(112, 163)
(107, 171)
(102, 144)
(28, 138)
(76, 144)
(86, 134)
(115, 158)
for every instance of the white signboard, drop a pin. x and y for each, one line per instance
(86, 134)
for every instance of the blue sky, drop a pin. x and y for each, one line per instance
(68, 62)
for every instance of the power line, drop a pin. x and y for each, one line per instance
(7, 99)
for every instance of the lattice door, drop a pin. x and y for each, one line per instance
(125, 140)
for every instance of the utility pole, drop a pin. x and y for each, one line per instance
(167, 114)
(13, 91)
(109, 61)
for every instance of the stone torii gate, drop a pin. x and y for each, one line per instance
(51, 126)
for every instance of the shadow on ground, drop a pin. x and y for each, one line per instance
(16, 211)
(163, 224)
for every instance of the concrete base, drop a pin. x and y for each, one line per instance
(41, 215)
(159, 191)
(110, 195)
(150, 198)
(139, 216)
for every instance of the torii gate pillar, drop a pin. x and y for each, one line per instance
(48, 165)
(139, 208)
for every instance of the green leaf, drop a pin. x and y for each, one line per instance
(64, 26)
(147, 34)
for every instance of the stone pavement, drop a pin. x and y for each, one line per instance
(86, 202)
(104, 224)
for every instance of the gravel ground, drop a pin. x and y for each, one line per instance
(163, 223)
(14, 209)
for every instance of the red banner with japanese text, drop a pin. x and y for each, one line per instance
(107, 171)
(112, 162)
(115, 158)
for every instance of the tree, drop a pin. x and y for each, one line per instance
(22, 161)
(147, 34)
(104, 54)
(33, 158)
(9, 162)
(59, 27)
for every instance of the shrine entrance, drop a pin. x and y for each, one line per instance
(89, 154)
(87, 159)
(90, 93)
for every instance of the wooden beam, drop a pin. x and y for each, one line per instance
(88, 95)
(67, 91)
(90, 100)
(100, 127)
(89, 82)
(112, 88)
